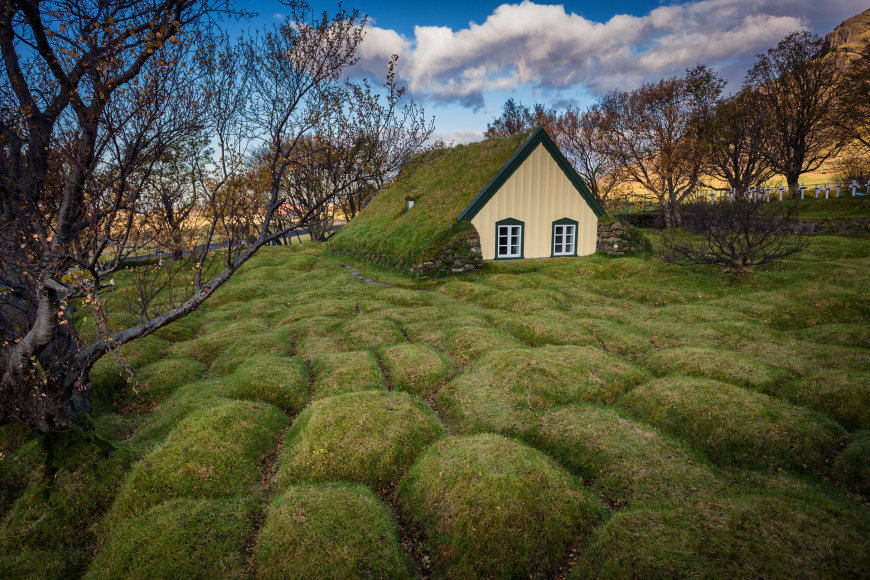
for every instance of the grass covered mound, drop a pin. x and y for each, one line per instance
(628, 463)
(494, 508)
(345, 372)
(505, 390)
(418, 369)
(215, 451)
(443, 183)
(279, 380)
(370, 437)
(180, 538)
(761, 536)
(734, 426)
(329, 531)
(161, 378)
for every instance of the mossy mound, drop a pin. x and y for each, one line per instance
(418, 369)
(182, 329)
(734, 426)
(743, 537)
(272, 342)
(371, 437)
(506, 390)
(544, 330)
(160, 378)
(843, 395)
(617, 337)
(443, 183)
(329, 531)
(492, 507)
(344, 372)
(628, 463)
(218, 339)
(465, 344)
(313, 335)
(279, 380)
(181, 538)
(215, 451)
(366, 331)
(721, 365)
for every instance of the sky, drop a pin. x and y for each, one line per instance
(462, 60)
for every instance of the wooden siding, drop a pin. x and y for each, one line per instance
(538, 193)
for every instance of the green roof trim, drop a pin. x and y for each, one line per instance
(536, 138)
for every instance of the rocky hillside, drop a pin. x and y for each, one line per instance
(852, 33)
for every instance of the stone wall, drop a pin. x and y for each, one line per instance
(617, 239)
(463, 255)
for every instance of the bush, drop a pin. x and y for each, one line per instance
(329, 531)
(492, 507)
(371, 437)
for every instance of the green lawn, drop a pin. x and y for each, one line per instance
(597, 416)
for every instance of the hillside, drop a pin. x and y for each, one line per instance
(443, 183)
(851, 34)
(580, 417)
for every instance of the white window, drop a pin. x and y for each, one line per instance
(509, 241)
(564, 239)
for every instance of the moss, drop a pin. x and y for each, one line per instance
(721, 365)
(628, 463)
(180, 330)
(344, 372)
(270, 378)
(159, 379)
(215, 451)
(506, 390)
(733, 426)
(843, 395)
(369, 437)
(755, 536)
(418, 369)
(180, 538)
(365, 332)
(465, 344)
(472, 494)
(329, 531)
(218, 339)
(273, 342)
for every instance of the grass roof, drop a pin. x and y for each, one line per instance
(442, 184)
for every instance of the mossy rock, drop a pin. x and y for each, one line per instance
(369, 437)
(345, 372)
(492, 507)
(418, 369)
(506, 390)
(215, 451)
(279, 380)
(734, 426)
(742, 537)
(180, 538)
(628, 463)
(335, 530)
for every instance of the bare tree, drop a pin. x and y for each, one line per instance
(736, 135)
(735, 235)
(796, 89)
(657, 136)
(580, 136)
(95, 95)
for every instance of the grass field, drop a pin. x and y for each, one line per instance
(576, 417)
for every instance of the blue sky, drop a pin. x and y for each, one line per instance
(462, 60)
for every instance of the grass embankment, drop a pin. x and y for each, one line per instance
(594, 417)
(442, 183)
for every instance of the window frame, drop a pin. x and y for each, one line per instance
(522, 236)
(564, 222)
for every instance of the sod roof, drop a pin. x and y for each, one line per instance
(443, 183)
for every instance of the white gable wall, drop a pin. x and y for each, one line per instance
(538, 193)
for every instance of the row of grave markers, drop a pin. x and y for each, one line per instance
(765, 193)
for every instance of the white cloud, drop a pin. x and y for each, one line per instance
(546, 47)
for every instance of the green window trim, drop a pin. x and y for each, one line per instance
(522, 236)
(563, 222)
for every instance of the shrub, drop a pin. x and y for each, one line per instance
(180, 538)
(371, 437)
(733, 426)
(329, 531)
(492, 507)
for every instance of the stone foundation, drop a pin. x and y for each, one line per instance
(618, 239)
